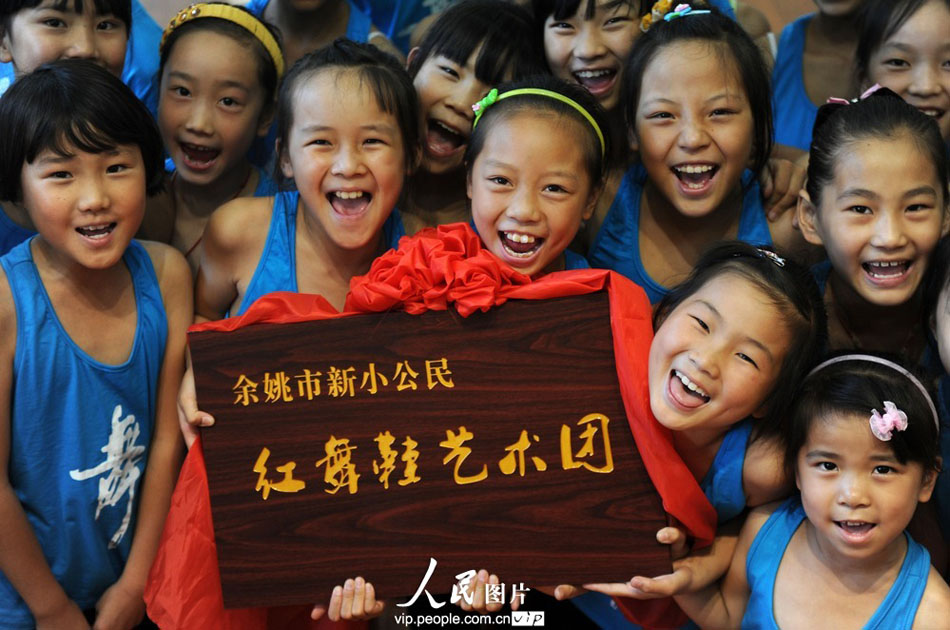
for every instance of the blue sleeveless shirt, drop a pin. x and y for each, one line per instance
(722, 484)
(79, 434)
(793, 112)
(11, 234)
(765, 555)
(277, 268)
(617, 244)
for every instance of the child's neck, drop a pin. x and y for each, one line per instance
(698, 447)
(838, 31)
(861, 574)
(671, 243)
(203, 199)
(96, 285)
(853, 322)
(435, 199)
(325, 267)
(304, 31)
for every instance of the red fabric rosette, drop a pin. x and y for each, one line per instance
(436, 268)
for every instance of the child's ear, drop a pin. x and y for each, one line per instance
(945, 225)
(930, 478)
(468, 183)
(266, 120)
(283, 160)
(633, 141)
(412, 55)
(808, 218)
(5, 47)
(592, 202)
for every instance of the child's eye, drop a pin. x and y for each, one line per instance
(374, 141)
(107, 25)
(659, 116)
(320, 142)
(884, 470)
(499, 180)
(617, 20)
(747, 359)
(561, 26)
(449, 71)
(701, 323)
(54, 22)
(555, 188)
(918, 207)
(860, 209)
(60, 175)
(181, 91)
(722, 111)
(896, 63)
(826, 466)
(116, 168)
(228, 101)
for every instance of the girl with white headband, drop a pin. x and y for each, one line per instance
(862, 446)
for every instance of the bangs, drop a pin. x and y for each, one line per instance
(121, 9)
(563, 9)
(508, 46)
(63, 137)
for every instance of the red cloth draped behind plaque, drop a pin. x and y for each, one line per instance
(430, 271)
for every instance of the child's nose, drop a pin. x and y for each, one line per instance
(82, 44)
(888, 232)
(692, 134)
(706, 359)
(466, 93)
(924, 80)
(200, 117)
(589, 43)
(93, 196)
(347, 161)
(523, 208)
(852, 491)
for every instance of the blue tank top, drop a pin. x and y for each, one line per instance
(266, 186)
(617, 244)
(792, 110)
(71, 417)
(765, 555)
(277, 268)
(573, 260)
(722, 484)
(11, 234)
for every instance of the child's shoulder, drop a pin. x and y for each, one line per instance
(934, 608)
(240, 222)
(171, 268)
(7, 318)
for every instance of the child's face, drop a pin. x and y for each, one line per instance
(210, 105)
(527, 210)
(87, 206)
(879, 219)
(694, 127)
(346, 156)
(446, 92)
(43, 34)
(856, 494)
(717, 356)
(592, 52)
(915, 62)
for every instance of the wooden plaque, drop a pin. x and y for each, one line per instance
(494, 433)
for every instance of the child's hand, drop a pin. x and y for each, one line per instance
(559, 592)
(66, 617)
(679, 581)
(189, 416)
(781, 182)
(119, 608)
(479, 603)
(356, 599)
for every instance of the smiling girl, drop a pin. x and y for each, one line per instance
(876, 199)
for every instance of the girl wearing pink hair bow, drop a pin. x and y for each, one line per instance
(839, 546)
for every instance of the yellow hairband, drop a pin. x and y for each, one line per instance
(232, 14)
(493, 97)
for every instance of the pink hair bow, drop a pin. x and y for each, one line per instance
(843, 101)
(893, 419)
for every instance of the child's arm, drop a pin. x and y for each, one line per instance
(764, 478)
(722, 605)
(356, 599)
(122, 605)
(934, 608)
(231, 247)
(21, 558)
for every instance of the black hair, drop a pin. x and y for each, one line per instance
(266, 68)
(884, 115)
(856, 387)
(879, 21)
(73, 103)
(724, 34)
(387, 78)
(121, 9)
(597, 158)
(564, 9)
(790, 287)
(510, 47)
